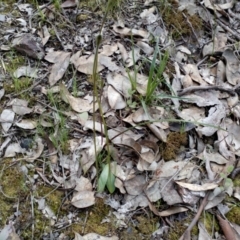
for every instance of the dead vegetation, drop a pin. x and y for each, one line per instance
(119, 119)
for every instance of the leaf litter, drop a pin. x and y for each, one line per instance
(150, 171)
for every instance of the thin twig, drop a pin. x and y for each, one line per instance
(205, 88)
(228, 29)
(85, 222)
(32, 207)
(232, 14)
(187, 233)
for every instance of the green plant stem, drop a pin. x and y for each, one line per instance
(95, 92)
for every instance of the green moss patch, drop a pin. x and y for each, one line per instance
(174, 141)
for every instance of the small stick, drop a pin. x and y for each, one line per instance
(186, 234)
(205, 88)
(228, 29)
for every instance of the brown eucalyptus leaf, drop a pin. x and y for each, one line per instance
(61, 61)
(83, 199)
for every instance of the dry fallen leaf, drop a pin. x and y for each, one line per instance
(12, 149)
(93, 236)
(83, 184)
(115, 99)
(232, 67)
(77, 104)
(83, 199)
(84, 64)
(108, 50)
(26, 124)
(7, 118)
(61, 61)
(20, 106)
(25, 71)
(196, 187)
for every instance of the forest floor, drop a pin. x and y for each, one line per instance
(119, 119)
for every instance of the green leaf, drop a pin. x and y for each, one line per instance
(230, 169)
(103, 178)
(228, 183)
(111, 183)
(222, 175)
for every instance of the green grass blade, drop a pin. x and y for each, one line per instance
(111, 182)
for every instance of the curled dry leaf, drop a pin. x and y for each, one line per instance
(151, 114)
(119, 184)
(168, 212)
(27, 124)
(8, 233)
(196, 187)
(158, 132)
(193, 72)
(145, 47)
(44, 35)
(149, 151)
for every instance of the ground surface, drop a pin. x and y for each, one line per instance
(119, 119)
